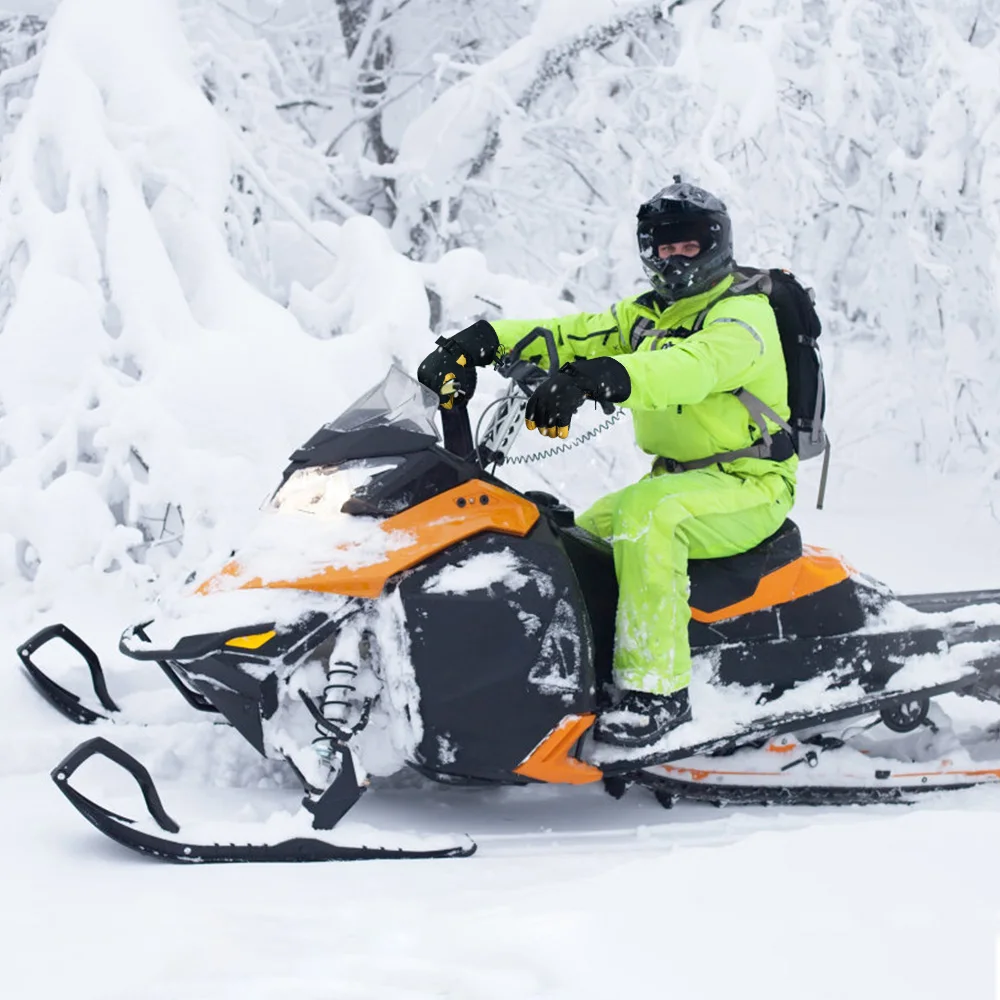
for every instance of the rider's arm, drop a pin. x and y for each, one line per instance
(740, 335)
(582, 335)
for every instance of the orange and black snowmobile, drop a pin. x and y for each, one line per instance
(402, 606)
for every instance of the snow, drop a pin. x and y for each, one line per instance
(205, 255)
(479, 572)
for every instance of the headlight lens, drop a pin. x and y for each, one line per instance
(323, 490)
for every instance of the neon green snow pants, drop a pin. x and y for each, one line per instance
(655, 526)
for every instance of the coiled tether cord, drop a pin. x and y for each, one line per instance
(559, 449)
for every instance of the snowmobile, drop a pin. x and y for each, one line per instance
(403, 595)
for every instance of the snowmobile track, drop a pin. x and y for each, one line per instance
(670, 791)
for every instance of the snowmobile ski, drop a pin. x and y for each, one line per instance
(70, 705)
(128, 833)
(63, 701)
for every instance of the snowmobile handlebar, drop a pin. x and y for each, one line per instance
(493, 446)
(526, 375)
(510, 365)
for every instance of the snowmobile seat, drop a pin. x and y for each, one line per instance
(719, 583)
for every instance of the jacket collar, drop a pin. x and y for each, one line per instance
(693, 304)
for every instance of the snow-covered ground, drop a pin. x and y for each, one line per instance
(571, 893)
(219, 224)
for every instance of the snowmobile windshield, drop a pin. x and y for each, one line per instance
(397, 401)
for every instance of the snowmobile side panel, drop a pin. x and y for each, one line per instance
(125, 832)
(62, 700)
(845, 607)
(436, 524)
(499, 661)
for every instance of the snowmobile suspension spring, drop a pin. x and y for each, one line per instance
(336, 701)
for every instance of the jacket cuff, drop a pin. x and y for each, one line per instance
(609, 380)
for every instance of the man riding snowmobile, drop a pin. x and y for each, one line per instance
(685, 358)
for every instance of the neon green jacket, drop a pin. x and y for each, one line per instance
(681, 400)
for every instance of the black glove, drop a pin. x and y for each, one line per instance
(554, 402)
(450, 369)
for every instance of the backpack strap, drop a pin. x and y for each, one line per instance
(758, 410)
(779, 448)
(746, 281)
(771, 447)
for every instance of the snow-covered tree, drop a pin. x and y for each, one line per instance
(218, 220)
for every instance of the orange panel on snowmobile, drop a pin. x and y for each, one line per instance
(550, 760)
(434, 525)
(815, 570)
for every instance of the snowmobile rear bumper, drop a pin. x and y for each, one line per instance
(174, 848)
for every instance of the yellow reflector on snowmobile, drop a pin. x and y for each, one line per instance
(251, 641)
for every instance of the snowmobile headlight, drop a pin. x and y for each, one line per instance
(324, 489)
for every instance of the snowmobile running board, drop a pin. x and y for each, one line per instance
(125, 832)
(769, 726)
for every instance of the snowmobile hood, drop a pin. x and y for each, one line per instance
(356, 556)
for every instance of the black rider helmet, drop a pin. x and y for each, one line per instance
(679, 213)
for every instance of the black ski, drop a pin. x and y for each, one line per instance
(65, 702)
(124, 831)
(70, 705)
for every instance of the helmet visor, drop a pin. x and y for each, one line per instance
(654, 234)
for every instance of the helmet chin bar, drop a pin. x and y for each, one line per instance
(679, 277)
